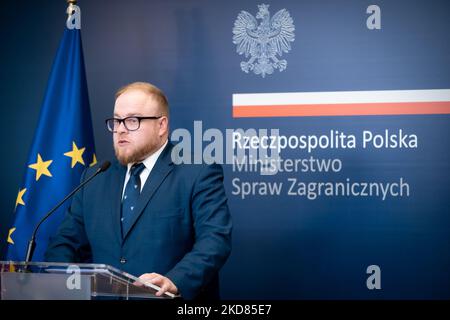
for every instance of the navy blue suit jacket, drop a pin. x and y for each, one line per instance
(182, 227)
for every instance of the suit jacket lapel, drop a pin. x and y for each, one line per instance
(159, 172)
(117, 181)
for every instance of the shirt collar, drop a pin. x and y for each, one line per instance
(150, 161)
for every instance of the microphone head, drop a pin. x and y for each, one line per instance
(105, 165)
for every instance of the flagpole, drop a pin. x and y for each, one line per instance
(70, 8)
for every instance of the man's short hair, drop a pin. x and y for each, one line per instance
(149, 89)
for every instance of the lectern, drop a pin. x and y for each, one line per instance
(63, 281)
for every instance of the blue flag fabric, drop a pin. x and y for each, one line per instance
(63, 147)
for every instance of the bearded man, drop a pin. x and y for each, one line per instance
(167, 223)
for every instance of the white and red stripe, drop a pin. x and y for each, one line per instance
(342, 103)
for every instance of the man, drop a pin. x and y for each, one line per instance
(168, 223)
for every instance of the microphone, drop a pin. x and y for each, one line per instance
(32, 243)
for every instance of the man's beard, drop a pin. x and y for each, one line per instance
(135, 156)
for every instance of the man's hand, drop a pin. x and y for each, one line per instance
(164, 283)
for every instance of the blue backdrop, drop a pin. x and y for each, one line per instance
(284, 247)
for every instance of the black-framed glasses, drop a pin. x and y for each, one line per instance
(131, 123)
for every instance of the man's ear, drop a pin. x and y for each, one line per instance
(163, 125)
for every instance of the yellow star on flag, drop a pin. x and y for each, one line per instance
(19, 199)
(76, 154)
(94, 161)
(10, 240)
(41, 167)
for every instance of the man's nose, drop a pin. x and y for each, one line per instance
(121, 128)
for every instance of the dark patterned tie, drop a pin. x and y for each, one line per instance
(131, 196)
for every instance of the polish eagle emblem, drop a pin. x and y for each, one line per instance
(263, 41)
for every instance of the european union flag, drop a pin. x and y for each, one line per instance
(63, 147)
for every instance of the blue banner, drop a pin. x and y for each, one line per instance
(63, 147)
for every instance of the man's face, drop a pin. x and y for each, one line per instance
(135, 146)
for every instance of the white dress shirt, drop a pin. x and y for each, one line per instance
(149, 163)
